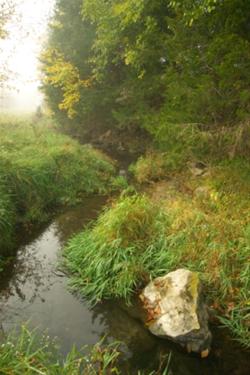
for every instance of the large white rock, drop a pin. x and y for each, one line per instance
(174, 309)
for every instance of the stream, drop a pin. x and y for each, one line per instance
(34, 291)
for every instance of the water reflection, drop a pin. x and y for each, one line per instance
(32, 289)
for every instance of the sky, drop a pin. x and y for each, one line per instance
(20, 50)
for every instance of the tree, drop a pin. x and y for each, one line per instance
(113, 63)
(6, 11)
(117, 50)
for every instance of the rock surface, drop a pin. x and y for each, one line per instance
(197, 168)
(175, 310)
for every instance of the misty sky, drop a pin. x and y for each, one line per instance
(27, 33)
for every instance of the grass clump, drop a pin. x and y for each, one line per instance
(32, 354)
(41, 169)
(151, 167)
(121, 251)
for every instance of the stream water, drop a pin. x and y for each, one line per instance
(33, 290)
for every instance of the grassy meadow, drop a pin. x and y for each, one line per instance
(40, 170)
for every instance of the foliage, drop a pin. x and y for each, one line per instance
(66, 67)
(31, 354)
(7, 8)
(187, 61)
(118, 60)
(179, 144)
(62, 74)
(207, 77)
(41, 169)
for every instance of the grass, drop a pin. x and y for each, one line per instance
(30, 354)
(153, 166)
(179, 143)
(141, 237)
(41, 169)
(120, 252)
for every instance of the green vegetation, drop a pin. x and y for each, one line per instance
(178, 71)
(125, 63)
(41, 169)
(198, 223)
(7, 10)
(120, 252)
(31, 354)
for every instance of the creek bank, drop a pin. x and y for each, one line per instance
(185, 222)
(32, 291)
(40, 171)
(125, 146)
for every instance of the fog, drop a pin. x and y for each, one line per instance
(20, 53)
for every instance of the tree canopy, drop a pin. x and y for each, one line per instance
(6, 11)
(142, 63)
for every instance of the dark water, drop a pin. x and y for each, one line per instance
(33, 289)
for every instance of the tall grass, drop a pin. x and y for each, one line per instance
(41, 169)
(6, 217)
(141, 237)
(179, 143)
(30, 354)
(119, 254)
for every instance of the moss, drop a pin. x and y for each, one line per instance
(193, 284)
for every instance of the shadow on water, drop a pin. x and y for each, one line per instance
(33, 289)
